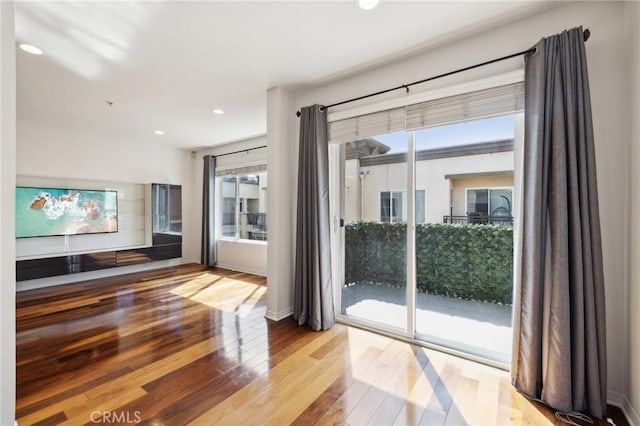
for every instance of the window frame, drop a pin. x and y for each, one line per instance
(220, 198)
(488, 189)
(390, 207)
(403, 201)
(237, 213)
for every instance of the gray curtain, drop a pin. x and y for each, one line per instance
(208, 249)
(313, 292)
(560, 351)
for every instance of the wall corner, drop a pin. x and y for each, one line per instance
(282, 167)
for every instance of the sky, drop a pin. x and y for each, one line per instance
(477, 131)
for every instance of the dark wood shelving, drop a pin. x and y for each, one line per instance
(166, 243)
(71, 264)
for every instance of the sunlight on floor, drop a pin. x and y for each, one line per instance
(423, 384)
(412, 382)
(222, 293)
(433, 383)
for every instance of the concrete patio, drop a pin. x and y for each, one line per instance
(476, 327)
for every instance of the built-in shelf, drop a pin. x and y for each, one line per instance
(74, 263)
(166, 203)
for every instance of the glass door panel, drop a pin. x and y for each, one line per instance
(464, 248)
(375, 208)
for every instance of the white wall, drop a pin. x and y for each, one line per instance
(50, 154)
(632, 28)
(246, 256)
(607, 72)
(384, 177)
(240, 255)
(7, 214)
(53, 152)
(281, 154)
(430, 176)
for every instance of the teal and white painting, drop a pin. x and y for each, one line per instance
(44, 212)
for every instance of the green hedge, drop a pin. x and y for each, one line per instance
(467, 261)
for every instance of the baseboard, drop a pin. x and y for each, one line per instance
(241, 269)
(103, 273)
(621, 401)
(630, 413)
(615, 398)
(277, 316)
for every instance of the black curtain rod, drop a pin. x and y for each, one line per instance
(586, 34)
(242, 150)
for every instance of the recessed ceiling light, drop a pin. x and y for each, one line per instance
(159, 132)
(30, 49)
(367, 4)
(218, 111)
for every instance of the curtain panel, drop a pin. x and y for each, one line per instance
(560, 350)
(313, 291)
(208, 246)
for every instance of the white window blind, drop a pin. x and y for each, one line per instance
(234, 171)
(467, 106)
(364, 126)
(437, 112)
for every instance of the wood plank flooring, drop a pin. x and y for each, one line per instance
(190, 345)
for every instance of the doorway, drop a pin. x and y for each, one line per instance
(427, 238)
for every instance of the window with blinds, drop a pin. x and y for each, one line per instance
(243, 170)
(453, 109)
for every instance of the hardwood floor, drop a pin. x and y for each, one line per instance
(190, 345)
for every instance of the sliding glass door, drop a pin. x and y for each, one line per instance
(427, 235)
(425, 207)
(464, 250)
(375, 213)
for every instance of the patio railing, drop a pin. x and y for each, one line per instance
(478, 219)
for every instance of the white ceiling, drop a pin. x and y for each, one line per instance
(166, 65)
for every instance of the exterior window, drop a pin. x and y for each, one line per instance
(495, 203)
(393, 206)
(478, 201)
(389, 206)
(229, 201)
(243, 201)
(420, 205)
